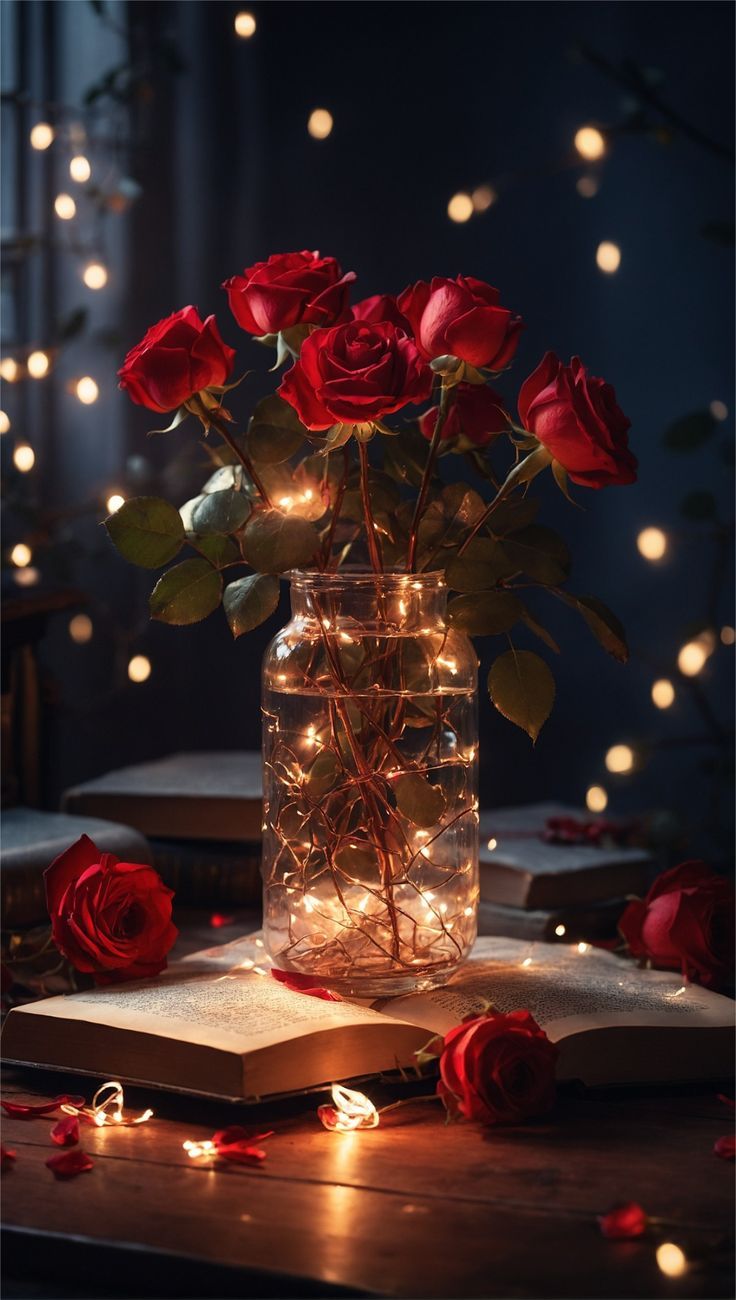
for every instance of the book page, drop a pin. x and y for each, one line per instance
(568, 988)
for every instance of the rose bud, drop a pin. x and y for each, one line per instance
(111, 919)
(461, 318)
(355, 373)
(686, 923)
(380, 306)
(498, 1069)
(476, 414)
(577, 418)
(289, 289)
(177, 358)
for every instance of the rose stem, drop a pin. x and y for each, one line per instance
(374, 549)
(327, 548)
(221, 428)
(446, 397)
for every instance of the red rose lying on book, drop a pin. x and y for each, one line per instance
(685, 922)
(110, 919)
(498, 1069)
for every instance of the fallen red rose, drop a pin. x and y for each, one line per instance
(304, 984)
(623, 1221)
(725, 1147)
(498, 1069)
(685, 922)
(69, 1163)
(65, 1132)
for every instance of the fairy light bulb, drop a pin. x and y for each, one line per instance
(320, 123)
(38, 364)
(560, 931)
(80, 169)
(139, 669)
(24, 457)
(245, 25)
(4, 422)
(41, 135)
(608, 257)
(95, 275)
(596, 799)
(692, 658)
(671, 1260)
(81, 629)
(21, 555)
(663, 693)
(9, 369)
(620, 759)
(114, 502)
(87, 390)
(460, 207)
(590, 143)
(65, 207)
(652, 543)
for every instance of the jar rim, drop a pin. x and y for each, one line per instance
(359, 575)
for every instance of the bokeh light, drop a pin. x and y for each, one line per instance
(29, 577)
(652, 543)
(460, 207)
(95, 275)
(24, 457)
(719, 410)
(320, 123)
(21, 555)
(620, 758)
(41, 135)
(590, 143)
(139, 668)
(608, 257)
(671, 1260)
(86, 390)
(114, 502)
(483, 197)
(4, 422)
(80, 169)
(65, 207)
(9, 369)
(692, 658)
(663, 693)
(38, 364)
(81, 629)
(245, 25)
(596, 799)
(587, 186)
(728, 634)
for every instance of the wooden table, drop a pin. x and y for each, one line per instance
(412, 1208)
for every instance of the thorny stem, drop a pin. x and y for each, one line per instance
(218, 423)
(446, 399)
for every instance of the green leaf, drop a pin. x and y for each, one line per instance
(219, 550)
(480, 567)
(522, 688)
(249, 601)
(698, 505)
(405, 456)
(539, 630)
(186, 594)
(463, 508)
(690, 432)
(221, 512)
(487, 613)
(323, 774)
(603, 623)
(540, 553)
(512, 515)
(418, 800)
(273, 543)
(275, 432)
(147, 531)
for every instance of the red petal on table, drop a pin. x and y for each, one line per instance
(242, 1154)
(329, 1117)
(622, 1221)
(69, 1163)
(725, 1147)
(65, 1132)
(727, 1101)
(22, 1110)
(226, 1137)
(308, 984)
(7, 1156)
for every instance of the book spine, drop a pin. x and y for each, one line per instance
(204, 876)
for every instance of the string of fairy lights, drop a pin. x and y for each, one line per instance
(590, 147)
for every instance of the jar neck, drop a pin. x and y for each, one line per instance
(404, 603)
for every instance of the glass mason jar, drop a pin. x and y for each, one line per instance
(370, 742)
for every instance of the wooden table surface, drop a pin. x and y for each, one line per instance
(413, 1208)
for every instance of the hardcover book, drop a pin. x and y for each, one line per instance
(217, 1024)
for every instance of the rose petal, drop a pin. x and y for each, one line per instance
(725, 1147)
(65, 1132)
(623, 1221)
(69, 1163)
(7, 1157)
(308, 984)
(23, 1110)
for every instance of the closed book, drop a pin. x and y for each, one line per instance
(556, 925)
(209, 873)
(520, 868)
(32, 839)
(189, 796)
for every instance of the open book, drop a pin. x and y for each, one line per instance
(217, 1023)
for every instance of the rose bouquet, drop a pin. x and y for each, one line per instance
(370, 754)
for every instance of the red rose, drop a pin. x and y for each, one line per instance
(498, 1069)
(579, 421)
(109, 918)
(461, 318)
(354, 373)
(380, 306)
(289, 289)
(685, 923)
(476, 412)
(176, 359)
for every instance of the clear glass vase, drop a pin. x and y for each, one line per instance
(370, 742)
